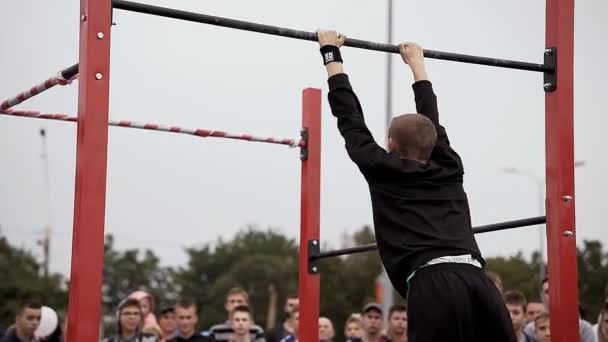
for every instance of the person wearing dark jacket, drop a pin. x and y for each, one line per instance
(420, 210)
(284, 329)
(27, 321)
(186, 316)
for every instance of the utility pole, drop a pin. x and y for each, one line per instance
(389, 69)
(45, 243)
(387, 288)
(46, 240)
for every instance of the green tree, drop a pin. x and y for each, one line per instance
(347, 283)
(254, 260)
(593, 277)
(22, 279)
(130, 270)
(517, 273)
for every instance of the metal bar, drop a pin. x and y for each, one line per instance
(345, 251)
(311, 36)
(559, 163)
(70, 72)
(310, 208)
(510, 224)
(62, 78)
(199, 132)
(477, 230)
(84, 307)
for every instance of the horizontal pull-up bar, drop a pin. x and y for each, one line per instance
(304, 35)
(199, 132)
(477, 230)
(70, 72)
(62, 78)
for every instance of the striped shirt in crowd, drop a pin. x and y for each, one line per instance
(222, 333)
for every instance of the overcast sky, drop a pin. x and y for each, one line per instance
(166, 191)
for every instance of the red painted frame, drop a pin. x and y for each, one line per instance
(84, 308)
(91, 165)
(559, 149)
(310, 214)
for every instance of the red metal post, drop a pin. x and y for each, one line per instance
(310, 208)
(561, 237)
(91, 159)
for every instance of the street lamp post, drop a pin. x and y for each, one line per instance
(540, 184)
(387, 288)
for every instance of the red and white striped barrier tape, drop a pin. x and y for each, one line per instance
(35, 90)
(204, 133)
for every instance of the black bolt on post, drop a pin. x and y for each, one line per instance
(550, 78)
(304, 146)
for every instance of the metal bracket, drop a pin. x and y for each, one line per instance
(304, 148)
(314, 248)
(550, 79)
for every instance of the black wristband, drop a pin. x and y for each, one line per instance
(330, 53)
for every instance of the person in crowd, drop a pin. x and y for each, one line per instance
(147, 307)
(533, 309)
(326, 330)
(186, 316)
(241, 321)
(283, 329)
(27, 321)
(542, 328)
(516, 304)
(223, 331)
(129, 323)
(601, 328)
(397, 324)
(293, 317)
(353, 328)
(496, 279)
(372, 322)
(167, 323)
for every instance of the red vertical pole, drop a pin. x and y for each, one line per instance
(310, 214)
(561, 237)
(91, 159)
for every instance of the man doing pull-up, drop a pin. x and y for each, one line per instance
(420, 209)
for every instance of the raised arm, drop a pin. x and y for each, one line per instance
(426, 100)
(345, 106)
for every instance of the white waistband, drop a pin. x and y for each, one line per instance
(455, 259)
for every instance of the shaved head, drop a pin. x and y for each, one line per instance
(413, 136)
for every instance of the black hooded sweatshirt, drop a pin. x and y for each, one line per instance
(420, 210)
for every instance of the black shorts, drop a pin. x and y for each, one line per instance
(456, 303)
